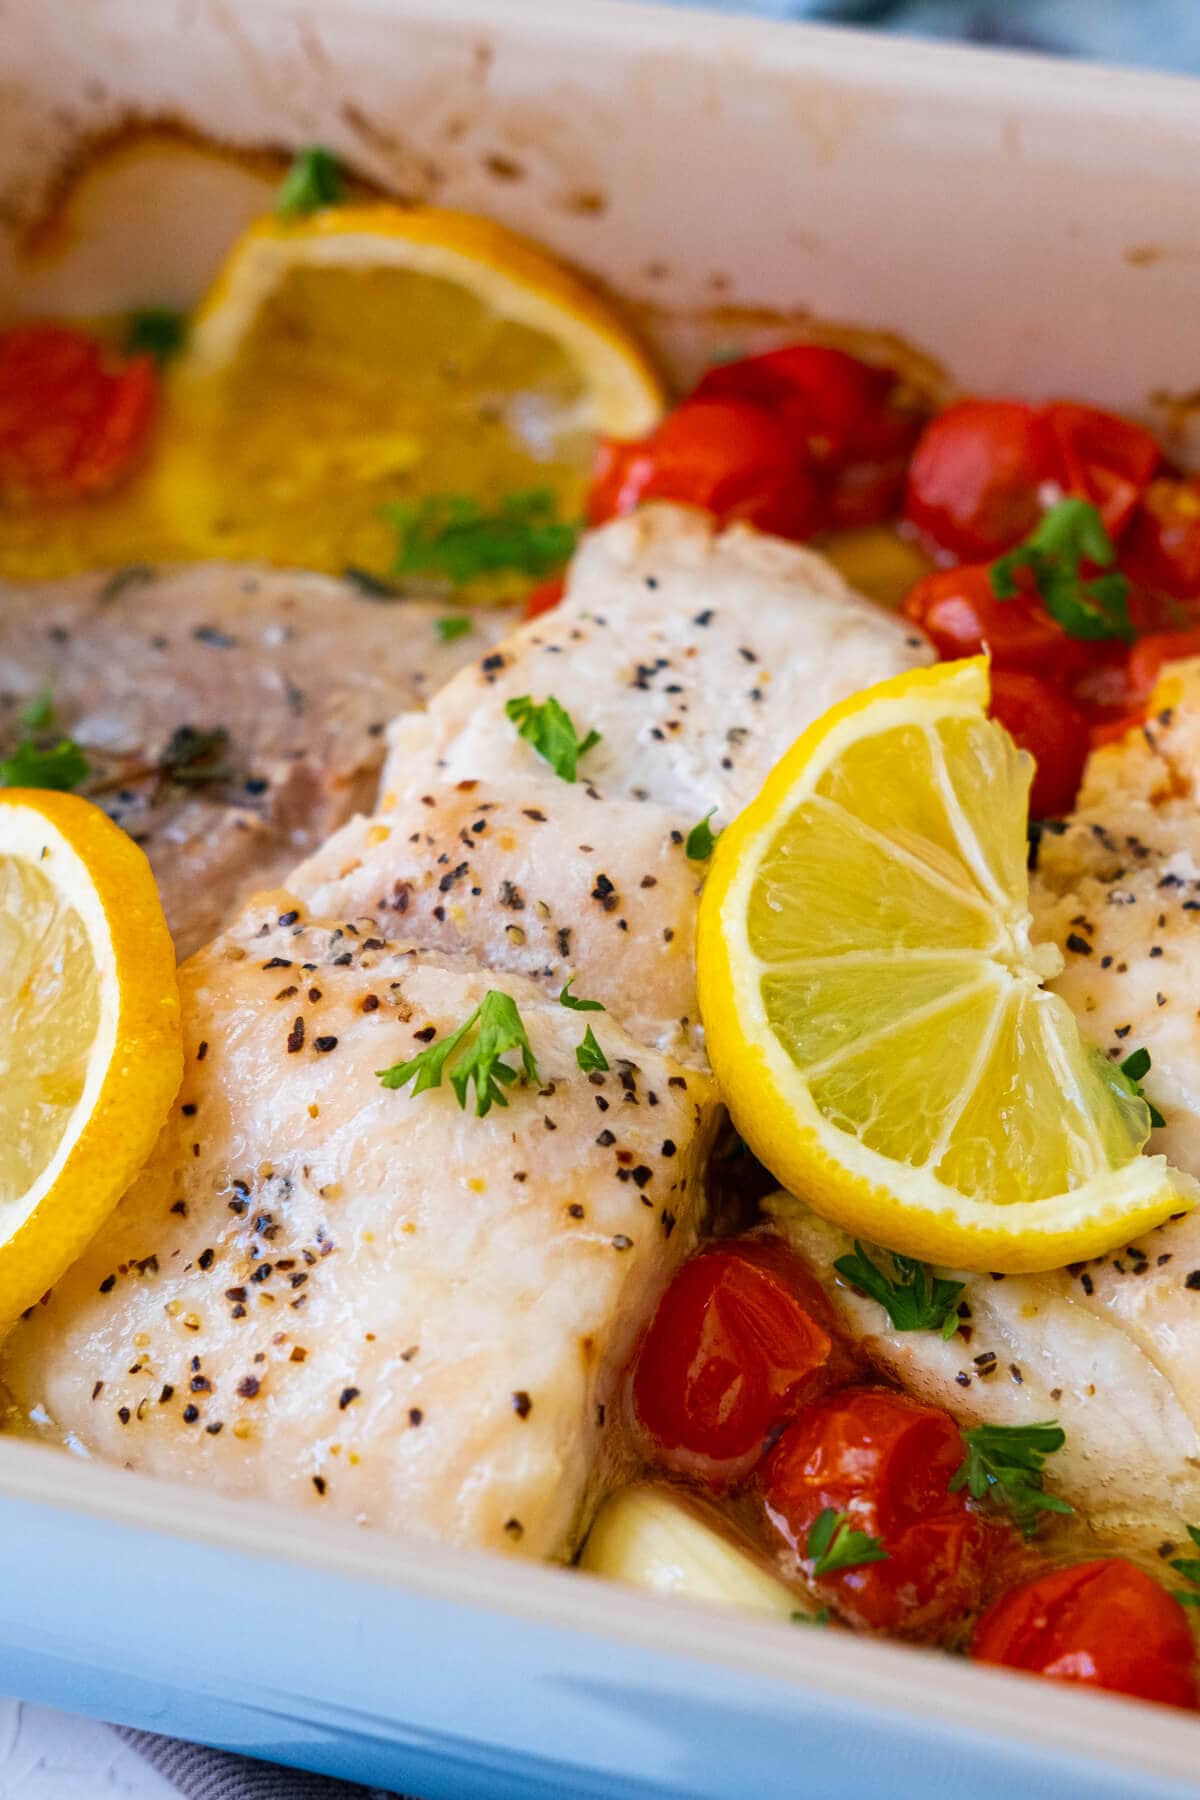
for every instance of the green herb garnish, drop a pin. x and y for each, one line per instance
(313, 181)
(916, 1300)
(42, 759)
(452, 627)
(834, 1544)
(1005, 1463)
(817, 1618)
(157, 331)
(369, 585)
(193, 757)
(497, 1029)
(701, 839)
(1069, 535)
(452, 536)
(589, 1055)
(547, 726)
(567, 998)
(1131, 1074)
(1189, 1568)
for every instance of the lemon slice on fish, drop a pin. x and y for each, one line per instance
(371, 354)
(874, 1005)
(90, 1042)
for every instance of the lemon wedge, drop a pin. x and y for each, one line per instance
(370, 354)
(873, 1001)
(90, 1043)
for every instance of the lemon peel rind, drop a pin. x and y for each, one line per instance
(905, 1208)
(136, 1068)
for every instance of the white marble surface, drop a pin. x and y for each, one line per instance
(52, 1756)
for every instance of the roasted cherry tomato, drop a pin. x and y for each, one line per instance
(741, 1337)
(1150, 654)
(885, 1462)
(730, 458)
(73, 419)
(960, 613)
(545, 596)
(1104, 1623)
(1162, 548)
(1044, 722)
(1101, 458)
(975, 476)
(844, 412)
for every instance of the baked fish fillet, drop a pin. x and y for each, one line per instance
(302, 673)
(373, 1302)
(361, 1301)
(699, 656)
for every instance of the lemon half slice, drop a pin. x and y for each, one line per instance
(371, 354)
(90, 1044)
(873, 1000)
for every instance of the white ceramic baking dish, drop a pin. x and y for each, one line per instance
(1035, 224)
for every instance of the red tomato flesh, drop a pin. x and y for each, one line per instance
(1101, 458)
(1044, 722)
(1162, 549)
(958, 610)
(885, 1461)
(742, 1335)
(74, 419)
(725, 456)
(1105, 1624)
(545, 596)
(975, 475)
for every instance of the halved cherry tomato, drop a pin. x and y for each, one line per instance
(884, 1461)
(1044, 722)
(1101, 458)
(1150, 654)
(545, 596)
(975, 475)
(959, 611)
(73, 418)
(741, 1337)
(845, 414)
(1104, 1623)
(1162, 549)
(726, 456)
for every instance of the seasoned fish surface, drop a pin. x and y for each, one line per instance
(302, 673)
(366, 1302)
(698, 656)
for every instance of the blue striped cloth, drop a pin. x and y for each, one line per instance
(1158, 34)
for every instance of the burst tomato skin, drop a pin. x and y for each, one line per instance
(742, 1336)
(886, 1461)
(1162, 549)
(1043, 721)
(1105, 1624)
(727, 457)
(1101, 458)
(975, 476)
(958, 611)
(74, 420)
(544, 597)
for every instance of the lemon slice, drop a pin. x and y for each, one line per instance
(90, 1044)
(873, 1000)
(369, 354)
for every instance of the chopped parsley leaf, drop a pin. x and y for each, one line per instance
(452, 627)
(1131, 1074)
(589, 1055)
(452, 536)
(369, 585)
(313, 181)
(547, 726)
(916, 1300)
(1005, 1463)
(157, 331)
(804, 1618)
(42, 759)
(497, 1028)
(833, 1544)
(701, 839)
(1189, 1568)
(1053, 554)
(567, 998)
